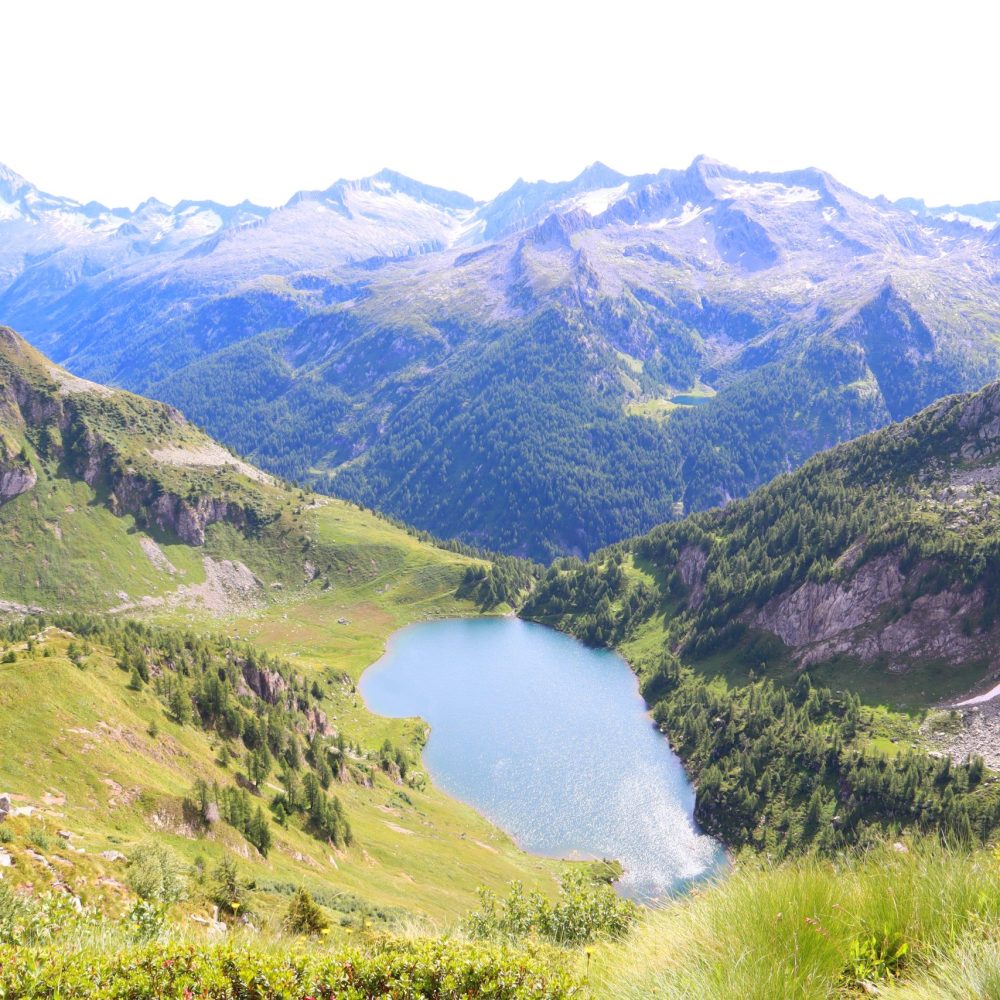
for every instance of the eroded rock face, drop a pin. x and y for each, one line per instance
(95, 459)
(691, 567)
(818, 611)
(822, 620)
(15, 478)
(316, 722)
(982, 415)
(181, 516)
(268, 685)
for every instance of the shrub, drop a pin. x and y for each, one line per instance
(226, 891)
(156, 874)
(583, 911)
(38, 837)
(404, 970)
(304, 916)
(13, 911)
(147, 920)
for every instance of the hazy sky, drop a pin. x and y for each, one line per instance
(214, 99)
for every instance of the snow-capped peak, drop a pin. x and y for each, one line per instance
(13, 187)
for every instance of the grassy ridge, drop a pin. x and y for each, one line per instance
(906, 921)
(117, 767)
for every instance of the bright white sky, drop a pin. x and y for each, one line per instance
(116, 101)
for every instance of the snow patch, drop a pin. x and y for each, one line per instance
(595, 202)
(689, 213)
(969, 220)
(771, 192)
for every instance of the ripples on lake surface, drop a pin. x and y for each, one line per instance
(550, 740)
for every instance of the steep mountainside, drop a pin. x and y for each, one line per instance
(558, 368)
(112, 507)
(874, 565)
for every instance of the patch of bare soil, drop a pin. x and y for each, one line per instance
(209, 455)
(229, 588)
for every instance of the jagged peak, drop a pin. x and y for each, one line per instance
(152, 202)
(707, 164)
(390, 181)
(12, 185)
(598, 174)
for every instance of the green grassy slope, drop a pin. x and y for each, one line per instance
(918, 924)
(105, 481)
(111, 766)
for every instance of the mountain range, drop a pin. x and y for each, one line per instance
(544, 373)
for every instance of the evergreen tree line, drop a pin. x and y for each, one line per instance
(790, 770)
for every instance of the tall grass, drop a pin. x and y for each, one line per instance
(805, 929)
(968, 971)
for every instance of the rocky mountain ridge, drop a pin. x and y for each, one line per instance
(694, 332)
(83, 426)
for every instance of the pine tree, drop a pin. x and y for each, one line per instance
(304, 916)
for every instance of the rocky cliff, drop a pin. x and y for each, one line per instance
(108, 440)
(864, 617)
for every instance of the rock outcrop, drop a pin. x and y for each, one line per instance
(52, 406)
(822, 620)
(691, 567)
(185, 517)
(15, 478)
(980, 421)
(268, 685)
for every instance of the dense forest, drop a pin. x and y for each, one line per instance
(527, 446)
(790, 769)
(890, 491)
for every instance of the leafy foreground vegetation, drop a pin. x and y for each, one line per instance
(582, 913)
(402, 970)
(50, 948)
(904, 921)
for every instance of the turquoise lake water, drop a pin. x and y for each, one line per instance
(551, 741)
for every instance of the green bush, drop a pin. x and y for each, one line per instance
(13, 911)
(411, 970)
(38, 837)
(304, 916)
(156, 874)
(38, 920)
(226, 890)
(583, 912)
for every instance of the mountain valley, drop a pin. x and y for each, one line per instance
(742, 428)
(617, 348)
